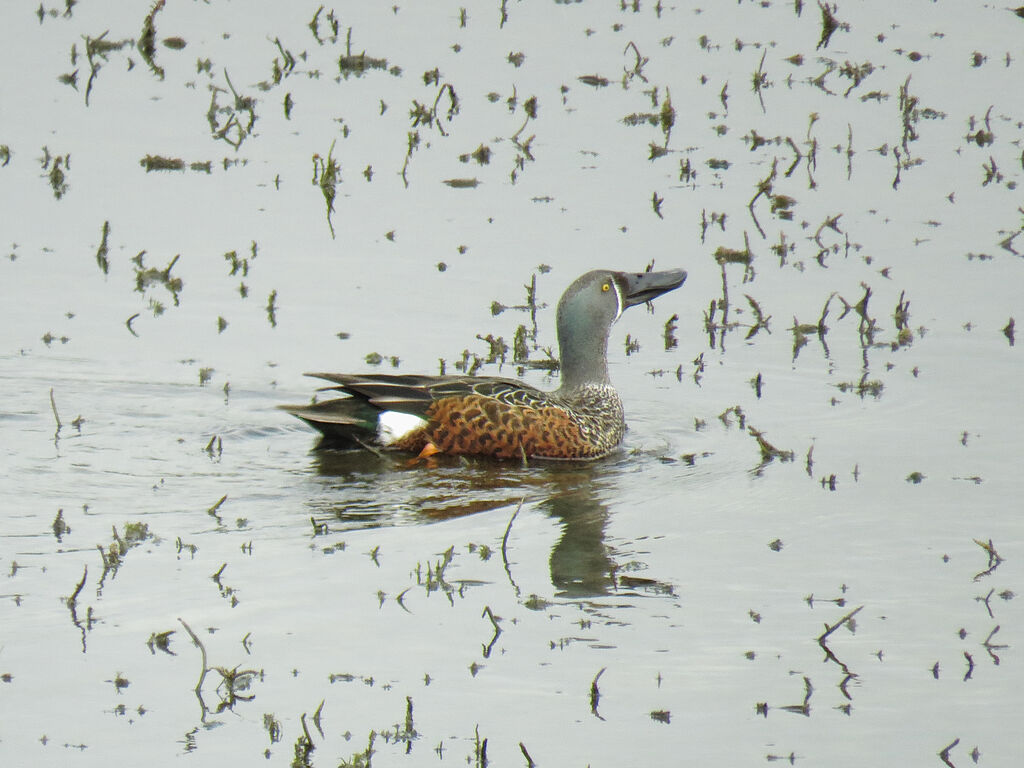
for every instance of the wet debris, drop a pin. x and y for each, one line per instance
(489, 646)
(48, 339)
(1008, 331)
(232, 122)
(53, 13)
(56, 167)
(97, 53)
(768, 451)
(638, 64)
(332, 25)
(829, 24)
(664, 119)
(227, 592)
(357, 65)
(863, 387)
(855, 73)
(911, 113)
(161, 163)
(429, 117)
(59, 527)
(849, 621)
(482, 155)
(994, 558)
(669, 333)
(160, 641)
(327, 176)
(282, 67)
(656, 201)
(76, 423)
(120, 682)
(901, 316)
(69, 78)
(529, 760)
(360, 759)
(944, 753)
(214, 510)
(234, 685)
(114, 553)
(376, 358)
(760, 82)
(145, 277)
(524, 151)
(147, 40)
(982, 136)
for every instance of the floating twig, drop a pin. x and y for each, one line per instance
(497, 630)
(529, 760)
(944, 753)
(504, 546)
(595, 694)
(53, 406)
(202, 675)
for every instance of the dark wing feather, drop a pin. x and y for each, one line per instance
(414, 394)
(383, 391)
(346, 422)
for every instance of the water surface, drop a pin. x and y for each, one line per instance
(808, 548)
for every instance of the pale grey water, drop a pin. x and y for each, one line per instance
(696, 578)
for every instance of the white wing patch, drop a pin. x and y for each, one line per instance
(394, 425)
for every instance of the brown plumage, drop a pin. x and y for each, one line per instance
(480, 425)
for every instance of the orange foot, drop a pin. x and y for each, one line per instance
(428, 451)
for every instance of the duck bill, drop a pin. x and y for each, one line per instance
(641, 287)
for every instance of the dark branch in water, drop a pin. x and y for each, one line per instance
(53, 405)
(829, 25)
(504, 546)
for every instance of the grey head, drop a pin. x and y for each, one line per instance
(587, 310)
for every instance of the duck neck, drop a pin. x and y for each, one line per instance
(583, 358)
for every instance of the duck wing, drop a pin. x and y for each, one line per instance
(414, 394)
(354, 419)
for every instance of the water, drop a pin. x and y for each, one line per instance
(670, 603)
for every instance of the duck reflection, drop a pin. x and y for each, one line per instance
(365, 490)
(581, 561)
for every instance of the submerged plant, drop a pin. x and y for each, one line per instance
(327, 176)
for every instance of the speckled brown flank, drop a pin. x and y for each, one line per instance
(474, 424)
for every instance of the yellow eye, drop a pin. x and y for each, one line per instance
(606, 287)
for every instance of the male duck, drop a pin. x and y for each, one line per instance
(502, 418)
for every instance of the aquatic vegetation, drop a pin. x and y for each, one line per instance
(355, 65)
(234, 686)
(161, 163)
(56, 167)
(327, 176)
(232, 122)
(272, 309)
(147, 40)
(145, 277)
(97, 53)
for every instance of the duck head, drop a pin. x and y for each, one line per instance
(590, 306)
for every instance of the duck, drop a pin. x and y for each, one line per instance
(496, 417)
